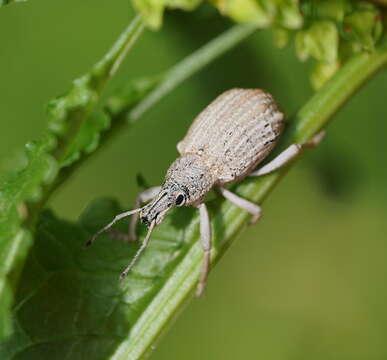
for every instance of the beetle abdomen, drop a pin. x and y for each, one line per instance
(235, 132)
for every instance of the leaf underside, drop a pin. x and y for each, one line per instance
(70, 302)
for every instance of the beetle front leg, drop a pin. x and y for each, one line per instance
(109, 226)
(205, 236)
(242, 203)
(288, 154)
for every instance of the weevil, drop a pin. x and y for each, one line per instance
(224, 144)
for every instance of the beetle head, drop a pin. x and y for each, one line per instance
(169, 196)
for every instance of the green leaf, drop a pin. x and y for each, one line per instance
(325, 10)
(246, 11)
(320, 41)
(262, 13)
(327, 31)
(87, 139)
(70, 302)
(288, 14)
(363, 25)
(70, 132)
(14, 239)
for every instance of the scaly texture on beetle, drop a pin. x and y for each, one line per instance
(225, 143)
(234, 133)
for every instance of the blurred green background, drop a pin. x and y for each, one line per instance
(309, 281)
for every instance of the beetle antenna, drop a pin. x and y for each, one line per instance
(140, 250)
(108, 226)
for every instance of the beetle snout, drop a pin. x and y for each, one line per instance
(145, 220)
(157, 218)
(154, 212)
(149, 215)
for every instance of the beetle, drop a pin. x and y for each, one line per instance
(224, 144)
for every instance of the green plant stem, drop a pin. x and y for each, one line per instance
(101, 73)
(192, 64)
(97, 80)
(313, 116)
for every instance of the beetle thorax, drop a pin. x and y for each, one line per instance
(192, 175)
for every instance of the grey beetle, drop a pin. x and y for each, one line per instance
(225, 143)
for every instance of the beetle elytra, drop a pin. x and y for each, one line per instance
(224, 144)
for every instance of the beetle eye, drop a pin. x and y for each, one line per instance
(179, 200)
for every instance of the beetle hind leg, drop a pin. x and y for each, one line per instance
(244, 204)
(288, 154)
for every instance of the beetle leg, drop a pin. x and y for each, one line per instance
(108, 226)
(143, 197)
(205, 235)
(242, 203)
(139, 251)
(287, 155)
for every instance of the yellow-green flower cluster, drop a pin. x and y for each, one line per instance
(328, 31)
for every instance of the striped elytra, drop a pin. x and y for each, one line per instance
(234, 133)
